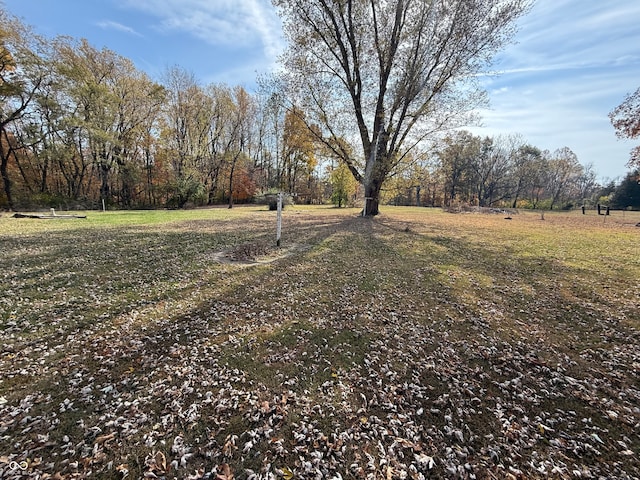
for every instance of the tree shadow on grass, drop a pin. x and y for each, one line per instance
(367, 302)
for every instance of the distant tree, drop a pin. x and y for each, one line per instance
(492, 168)
(538, 177)
(627, 194)
(215, 139)
(238, 133)
(185, 135)
(298, 153)
(405, 187)
(587, 184)
(343, 185)
(244, 186)
(183, 189)
(23, 72)
(524, 172)
(625, 118)
(432, 191)
(206, 134)
(562, 174)
(110, 111)
(388, 72)
(269, 134)
(608, 189)
(457, 157)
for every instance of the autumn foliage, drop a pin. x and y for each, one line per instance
(82, 127)
(626, 120)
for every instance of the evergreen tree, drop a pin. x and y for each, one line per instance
(628, 192)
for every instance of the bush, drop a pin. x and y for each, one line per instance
(184, 190)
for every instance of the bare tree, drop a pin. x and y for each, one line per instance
(523, 172)
(389, 73)
(562, 174)
(456, 157)
(493, 168)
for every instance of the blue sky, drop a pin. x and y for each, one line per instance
(573, 62)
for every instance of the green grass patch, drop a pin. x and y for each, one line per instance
(298, 355)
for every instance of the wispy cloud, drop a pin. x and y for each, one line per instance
(110, 25)
(576, 33)
(573, 63)
(625, 61)
(556, 111)
(238, 23)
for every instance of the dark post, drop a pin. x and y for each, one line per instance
(583, 209)
(599, 210)
(279, 220)
(607, 211)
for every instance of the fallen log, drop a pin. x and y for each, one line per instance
(46, 217)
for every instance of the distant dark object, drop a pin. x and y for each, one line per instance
(602, 207)
(508, 218)
(272, 201)
(52, 215)
(273, 205)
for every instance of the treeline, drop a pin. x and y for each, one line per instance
(82, 127)
(499, 171)
(506, 171)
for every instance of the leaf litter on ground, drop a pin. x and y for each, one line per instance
(413, 345)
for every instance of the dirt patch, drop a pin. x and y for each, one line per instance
(255, 253)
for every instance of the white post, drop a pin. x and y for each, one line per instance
(103, 206)
(279, 224)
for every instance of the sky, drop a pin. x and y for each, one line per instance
(571, 63)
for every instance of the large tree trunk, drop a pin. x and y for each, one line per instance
(372, 197)
(4, 170)
(376, 171)
(6, 181)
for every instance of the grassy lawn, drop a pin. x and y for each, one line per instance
(419, 344)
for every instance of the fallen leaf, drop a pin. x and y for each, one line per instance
(161, 462)
(226, 473)
(287, 473)
(105, 438)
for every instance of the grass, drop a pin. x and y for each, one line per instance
(419, 332)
